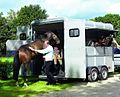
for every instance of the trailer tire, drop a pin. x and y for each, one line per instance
(103, 73)
(93, 75)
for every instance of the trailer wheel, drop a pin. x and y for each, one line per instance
(93, 76)
(104, 73)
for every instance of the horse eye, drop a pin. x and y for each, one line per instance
(54, 36)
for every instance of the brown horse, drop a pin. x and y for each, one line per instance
(104, 41)
(24, 55)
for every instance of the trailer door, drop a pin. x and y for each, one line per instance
(74, 49)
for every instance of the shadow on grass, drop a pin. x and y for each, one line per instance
(70, 81)
(16, 93)
(11, 82)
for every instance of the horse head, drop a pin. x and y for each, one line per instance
(109, 40)
(52, 36)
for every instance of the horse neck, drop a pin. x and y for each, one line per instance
(37, 44)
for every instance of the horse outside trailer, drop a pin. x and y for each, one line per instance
(81, 59)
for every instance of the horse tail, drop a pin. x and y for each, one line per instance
(16, 66)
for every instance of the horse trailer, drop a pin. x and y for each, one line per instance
(80, 58)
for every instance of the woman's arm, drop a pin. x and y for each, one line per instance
(115, 42)
(43, 51)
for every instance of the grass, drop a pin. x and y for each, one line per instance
(36, 86)
(8, 88)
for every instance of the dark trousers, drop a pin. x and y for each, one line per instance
(48, 70)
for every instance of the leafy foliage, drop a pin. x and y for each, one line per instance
(3, 31)
(109, 18)
(6, 66)
(11, 21)
(23, 17)
(29, 13)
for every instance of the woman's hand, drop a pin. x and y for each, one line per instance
(31, 49)
(118, 46)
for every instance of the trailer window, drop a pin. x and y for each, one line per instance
(74, 32)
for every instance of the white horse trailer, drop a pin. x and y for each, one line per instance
(80, 60)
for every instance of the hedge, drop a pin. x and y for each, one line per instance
(6, 67)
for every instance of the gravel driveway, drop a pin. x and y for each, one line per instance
(106, 88)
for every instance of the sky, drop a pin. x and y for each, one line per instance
(75, 9)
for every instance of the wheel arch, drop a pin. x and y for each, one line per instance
(100, 67)
(88, 70)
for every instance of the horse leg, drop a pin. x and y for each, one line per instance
(16, 67)
(15, 75)
(25, 74)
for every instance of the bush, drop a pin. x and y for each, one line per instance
(6, 67)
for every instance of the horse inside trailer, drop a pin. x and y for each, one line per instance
(93, 35)
(100, 56)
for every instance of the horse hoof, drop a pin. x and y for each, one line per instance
(17, 84)
(25, 84)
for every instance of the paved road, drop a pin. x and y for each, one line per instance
(107, 88)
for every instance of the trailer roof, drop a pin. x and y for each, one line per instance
(102, 30)
(46, 21)
(99, 25)
(88, 24)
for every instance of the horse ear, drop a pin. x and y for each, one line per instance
(48, 35)
(44, 39)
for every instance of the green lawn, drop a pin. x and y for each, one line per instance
(8, 88)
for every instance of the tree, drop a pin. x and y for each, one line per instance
(24, 17)
(11, 15)
(114, 19)
(11, 22)
(29, 13)
(3, 32)
(8, 25)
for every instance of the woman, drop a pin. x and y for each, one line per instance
(48, 55)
